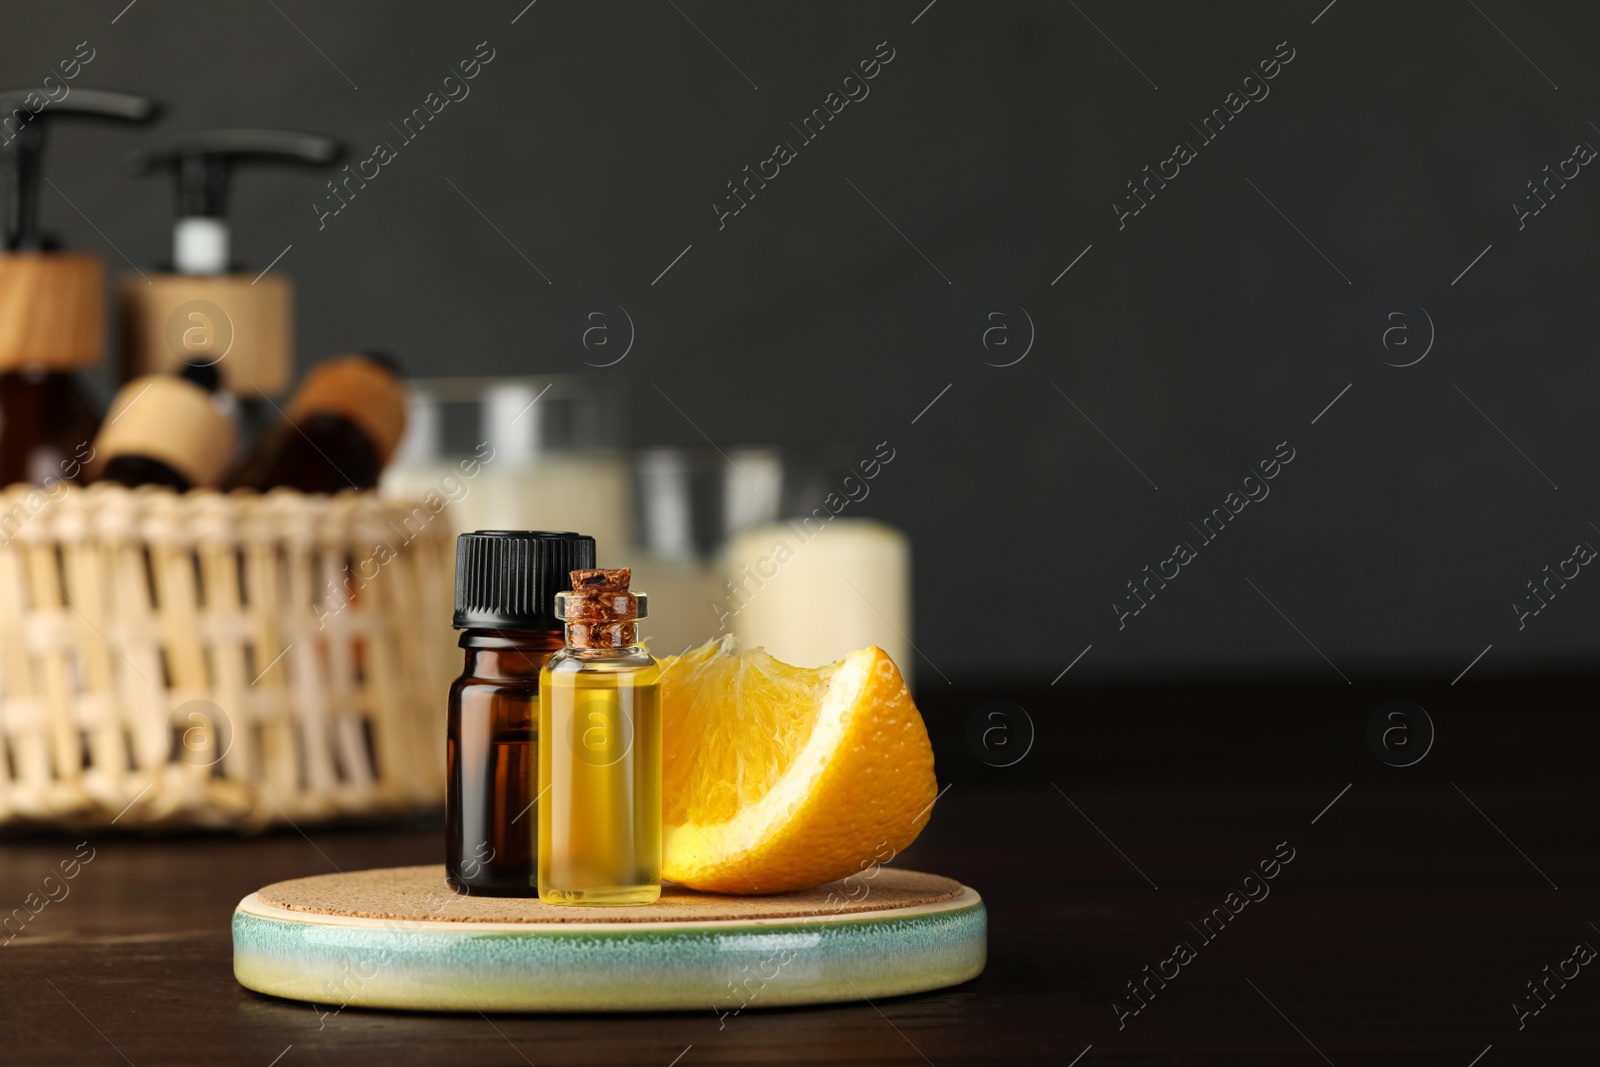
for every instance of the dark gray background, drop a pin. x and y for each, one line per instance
(1197, 338)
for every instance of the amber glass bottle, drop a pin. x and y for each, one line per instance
(506, 581)
(47, 424)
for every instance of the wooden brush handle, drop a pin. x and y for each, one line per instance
(174, 421)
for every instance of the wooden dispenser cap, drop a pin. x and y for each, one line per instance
(172, 420)
(361, 390)
(50, 315)
(244, 327)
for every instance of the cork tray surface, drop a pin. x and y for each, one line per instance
(400, 939)
(414, 894)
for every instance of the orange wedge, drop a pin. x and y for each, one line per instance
(778, 778)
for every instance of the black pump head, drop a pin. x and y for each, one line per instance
(24, 114)
(201, 163)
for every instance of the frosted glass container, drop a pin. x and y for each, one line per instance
(810, 594)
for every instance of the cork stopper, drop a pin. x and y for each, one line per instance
(360, 389)
(600, 611)
(172, 420)
(601, 580)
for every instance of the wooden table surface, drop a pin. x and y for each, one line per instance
(1416, 906)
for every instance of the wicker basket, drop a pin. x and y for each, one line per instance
(219, 660)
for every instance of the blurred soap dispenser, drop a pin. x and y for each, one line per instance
(203, 307)
(50, 301)
(171, 430)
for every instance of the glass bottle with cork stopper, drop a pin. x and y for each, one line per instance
(506, 582)
(600, 760)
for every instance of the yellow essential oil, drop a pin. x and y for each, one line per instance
(600, 752)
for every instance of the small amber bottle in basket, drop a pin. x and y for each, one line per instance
(506, 582)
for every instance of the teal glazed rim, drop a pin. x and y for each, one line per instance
(723, 966)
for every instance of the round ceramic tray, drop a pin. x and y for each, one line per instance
(399, 938)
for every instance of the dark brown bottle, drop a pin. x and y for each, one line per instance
(338, 431)
(47, 426)
(506, 582)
